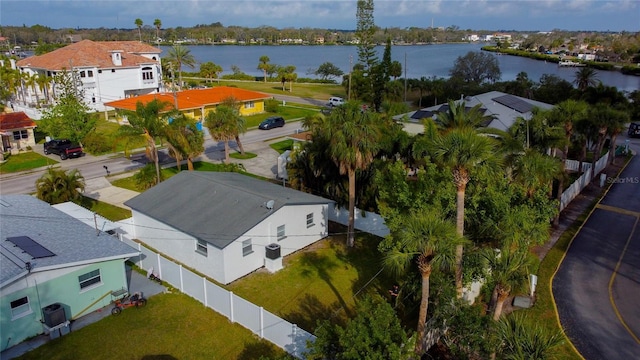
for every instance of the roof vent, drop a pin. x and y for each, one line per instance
(269, 204)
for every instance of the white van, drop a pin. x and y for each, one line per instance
(336, 101)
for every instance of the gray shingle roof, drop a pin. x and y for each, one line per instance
(72, 242)
(216, 207)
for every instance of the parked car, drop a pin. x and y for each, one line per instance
(63, 147)
(634, 130)
(271, 122)
(335, 101)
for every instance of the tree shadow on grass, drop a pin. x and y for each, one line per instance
(260, 350)
(310, 310)
(323, 266)
(159, 357)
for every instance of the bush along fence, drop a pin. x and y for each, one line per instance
(238, 310)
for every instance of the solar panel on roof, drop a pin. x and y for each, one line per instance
(514, 103)
(421, 114)
(31, 247)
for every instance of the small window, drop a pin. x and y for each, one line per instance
(89, 73)
(247, 248)
(201, 247)
(310, 220)
(147, 73)
(82, 74)
(281, 233)
(90, 279)
(20, 307)
(21, 134)
(249, 105)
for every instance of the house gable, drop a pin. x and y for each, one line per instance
(16, 121)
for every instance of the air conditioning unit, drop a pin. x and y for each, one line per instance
(54, 315)
(273, 251)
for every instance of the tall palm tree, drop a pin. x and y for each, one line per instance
(462, 150)
(149, 120)
(184, 140)
(264, 65)
(459, 116)
(139, 23)
(180, 56)
(585, 78)
(429, 240)
(526, 340)
(239, 123)
(221, 124)
(57, 186)
(566, 113)
(620, 119)
(509, 270)
(534, 170)
(354, 139)
(158, 24)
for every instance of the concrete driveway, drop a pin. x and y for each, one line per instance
(598, 283)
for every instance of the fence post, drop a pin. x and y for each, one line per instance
(261, 322)
(204, 286)
(231, 307)
(294, 335)
(181, 281)
(140, 257)
(159, 266)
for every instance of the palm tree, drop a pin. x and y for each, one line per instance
(534, 170)
(459, 116)
(585, 78)
(158, 24)
(239, 123)
(139, 23)
(526, 340)
(264, 65)
(149, 120)
(429, 240)
(620, 119)
(221, 124)
(462, 150)
(57, 186)
(509, 270)
(180, 56)
(184, 140)
(354, 139)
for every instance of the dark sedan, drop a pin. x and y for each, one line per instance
(271, 122)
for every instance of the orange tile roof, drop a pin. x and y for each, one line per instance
(87, 53)
(192, 99)
(15, 120)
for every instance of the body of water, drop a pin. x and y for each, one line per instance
(420, 60)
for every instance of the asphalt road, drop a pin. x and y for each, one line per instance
(92, 167)
(597, 286)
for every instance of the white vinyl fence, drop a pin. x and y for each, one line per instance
(255, 318)
(584, 180)
(366, 221)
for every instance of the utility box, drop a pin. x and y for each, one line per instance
(53, 315)
(273, 260)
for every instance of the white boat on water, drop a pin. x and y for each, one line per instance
(570, 63)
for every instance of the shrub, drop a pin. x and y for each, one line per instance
(97, 144)
(272, 105)
(146, 177)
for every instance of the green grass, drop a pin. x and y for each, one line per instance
(25, 161)
(314, 91)
(240, 156)
(108, 211)
(282, 146)
(170, 326)
(544, 310)
(319, 282)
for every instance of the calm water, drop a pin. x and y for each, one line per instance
(420, 60)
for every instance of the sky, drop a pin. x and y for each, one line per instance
(522, 15)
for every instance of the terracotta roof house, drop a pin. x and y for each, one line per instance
(17, 132)
(53, 268)
(504, 108)
(227, 225)
(198, 102)
(108, 70)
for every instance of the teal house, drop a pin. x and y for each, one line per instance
(53, 269)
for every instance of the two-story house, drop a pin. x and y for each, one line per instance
(107, 70)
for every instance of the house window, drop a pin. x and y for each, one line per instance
(20, 307)
(201, 247)
(89, 73)
(22, 134)
(249, 105)
(89, 279)
(310, 220)
(147, 73)
(82, 74)
(281, 233)
(246, 247)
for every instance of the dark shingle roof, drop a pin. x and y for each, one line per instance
(216, 207)
(71, 241)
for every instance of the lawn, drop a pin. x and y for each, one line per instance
(282, 146)
(319, 282)
(170, 326)
(306, 90)
(25, 161)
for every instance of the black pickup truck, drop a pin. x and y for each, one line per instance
(65, 148)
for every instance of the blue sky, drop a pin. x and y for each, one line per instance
(541, 15)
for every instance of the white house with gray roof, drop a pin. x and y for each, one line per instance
(504, 108)
(227, 225)
(53, 268)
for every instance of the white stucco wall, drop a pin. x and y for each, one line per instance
(228, 264)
